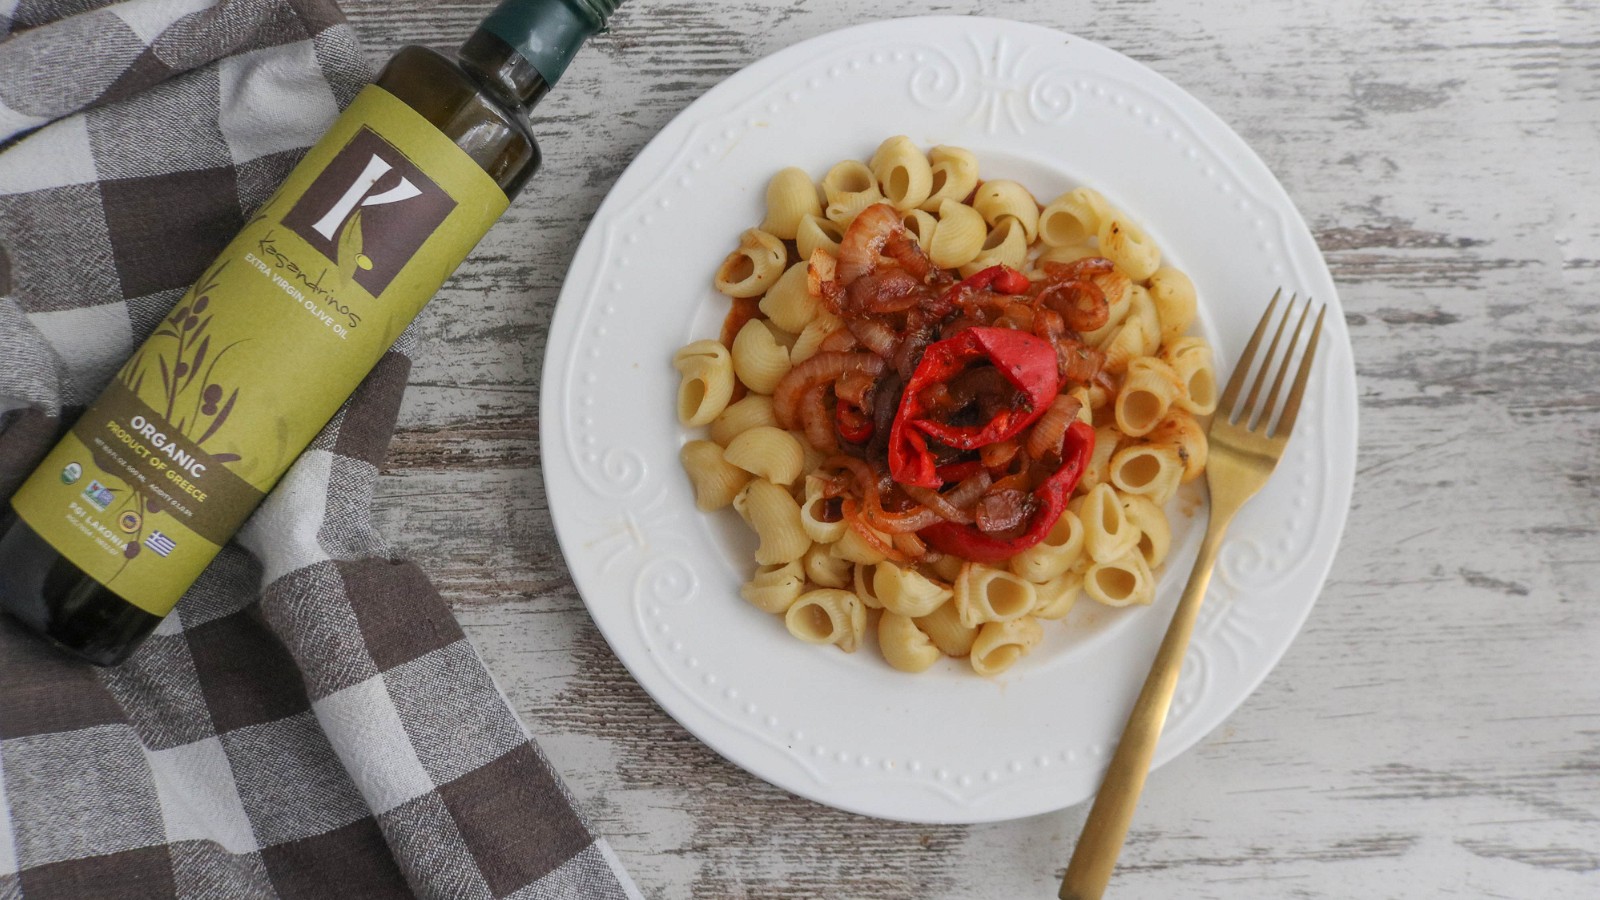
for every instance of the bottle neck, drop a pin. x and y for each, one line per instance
(502, 71)
(522, 48)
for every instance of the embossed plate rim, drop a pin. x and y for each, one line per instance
(609, 425)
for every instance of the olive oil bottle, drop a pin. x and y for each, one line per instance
(205, 417)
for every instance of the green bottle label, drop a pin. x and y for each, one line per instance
(255, 359)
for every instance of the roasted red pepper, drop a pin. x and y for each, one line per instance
(1000, 279)
(853, 424)
(1026, 361)
(1049, 498)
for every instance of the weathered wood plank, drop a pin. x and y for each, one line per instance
(1435, 730)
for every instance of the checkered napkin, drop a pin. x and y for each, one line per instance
(311, 722)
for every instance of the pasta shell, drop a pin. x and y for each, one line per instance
(1124, 581)
(999, 645)
(759, 358)
(903, 173)
(1127, 245)
(816, 232)
(774, 589)
(754, 267)
(716, 481)
(788, 303)
(828, 616)
(945, 629)
(791, 196)
(768, 452)
(706, 381)
(904, 645)
(959, 236)
(1000, 199)
(955, 174)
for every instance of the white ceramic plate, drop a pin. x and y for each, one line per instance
(661, 579)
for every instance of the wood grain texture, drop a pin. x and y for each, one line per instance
(1434, 731)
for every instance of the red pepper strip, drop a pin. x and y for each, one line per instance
(955, 473)
(1002, 279)
(853, 424)
(1028, 362)
(1050, 497)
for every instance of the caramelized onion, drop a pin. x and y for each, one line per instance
(820, 369)
(1002, 510)
(1045, 437)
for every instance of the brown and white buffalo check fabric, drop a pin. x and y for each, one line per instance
(311, 722)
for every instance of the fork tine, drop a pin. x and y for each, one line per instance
(1248, 414)
(1242, 367)
(1283, 369)
(1291, 408)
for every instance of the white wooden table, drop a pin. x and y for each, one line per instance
(1435, 730)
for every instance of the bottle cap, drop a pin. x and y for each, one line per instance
(549, 32)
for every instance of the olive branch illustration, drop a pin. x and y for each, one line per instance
(187, 368)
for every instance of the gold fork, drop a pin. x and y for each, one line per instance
(1243, 452)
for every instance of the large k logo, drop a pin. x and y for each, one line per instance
(376, 168)
(369, 211)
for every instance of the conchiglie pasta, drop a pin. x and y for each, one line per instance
(716, 481)
(828, 616)
(1155, 532)
(955, 174)
(850, 188)
(1070, 219)
(759, 358)
(1173, 295)
(907, 591)
(904, 175)
(791, 196)
(1127, 245)
(769, 452)
(1124, 581)
(1191, 359)
(1004, 245)
(1066, 254)
(826, 570)
(706, 381)
(958, 237)
(788, 303)
(814, 517)
(1183, 434)
(1098, 469)
(948, 632)
(865, 585)
(857, 549)
(904, 645)
(812, 336)
(775, 517)
(750, 411)
(986, 594)
(754, 267)
(774, 589)
(1001, 199)
(1148, 391)
(920, 224)
(999, 645)
(1107, 533)
(1152, 470)
(1058, 595)
(819, 564)
(817, 233)
(1061, 547)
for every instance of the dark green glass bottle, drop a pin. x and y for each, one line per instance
(480, 103)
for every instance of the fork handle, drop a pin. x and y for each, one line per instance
(1095, 855)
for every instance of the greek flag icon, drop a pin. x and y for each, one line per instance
(160, 544)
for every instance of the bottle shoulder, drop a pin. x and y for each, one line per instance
(496, 135)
